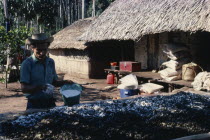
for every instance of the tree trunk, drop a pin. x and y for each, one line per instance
(94, 9)
(83, 9)
(60, 16)
(69, 13)
(5, 9)
(7, 29)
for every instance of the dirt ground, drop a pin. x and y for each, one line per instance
(13, 101)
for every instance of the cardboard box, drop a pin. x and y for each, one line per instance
(130, 66)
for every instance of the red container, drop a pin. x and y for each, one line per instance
(110, 78)
(130, 66)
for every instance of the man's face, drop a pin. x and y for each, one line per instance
(40, 50)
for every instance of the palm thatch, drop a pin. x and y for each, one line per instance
(66, 38)
(132, 19)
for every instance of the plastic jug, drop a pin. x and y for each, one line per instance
(110, 78)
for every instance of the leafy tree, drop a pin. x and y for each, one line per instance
(14, 39)
(41, 11)
(48, 15)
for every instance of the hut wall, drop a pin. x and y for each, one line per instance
(102, 53)
(141, 52)
(72, 65)
(91, 62)
(149, 52)
(163, 39)
(198, 44)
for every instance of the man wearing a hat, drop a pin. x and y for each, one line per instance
(38, 73)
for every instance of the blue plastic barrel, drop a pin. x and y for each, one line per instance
(128, 92)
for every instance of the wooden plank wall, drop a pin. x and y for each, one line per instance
(149, 52)
(141, 52)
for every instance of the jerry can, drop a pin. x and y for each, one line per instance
(110, 78)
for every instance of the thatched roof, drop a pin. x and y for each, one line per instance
(131, 19)
(67, 37)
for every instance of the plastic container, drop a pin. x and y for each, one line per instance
(110, 78)
(71, 94)
(128, 92)
(72, 99)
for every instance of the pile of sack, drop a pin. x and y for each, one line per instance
(150, 88)
(202, 81)
(178, 55)
(130, 82)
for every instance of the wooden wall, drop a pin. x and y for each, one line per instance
(70, 65)
(149, 52)
(90, 63)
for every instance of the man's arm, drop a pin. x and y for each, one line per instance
(31, 89)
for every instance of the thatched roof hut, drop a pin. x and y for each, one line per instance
(67, 38)
(132, 19)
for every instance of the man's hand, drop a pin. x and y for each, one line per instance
(49, 90)
(31, 89)
(42, 87)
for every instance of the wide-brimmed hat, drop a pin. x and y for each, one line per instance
(39, 38)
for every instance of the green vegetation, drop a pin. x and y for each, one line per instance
(14, 39)
(2, 80)
(48, 16)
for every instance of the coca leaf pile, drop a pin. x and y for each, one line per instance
(144, 118)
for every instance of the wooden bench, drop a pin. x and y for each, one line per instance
(155, 78)
(150, 77)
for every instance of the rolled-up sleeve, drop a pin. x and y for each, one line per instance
(25, 72)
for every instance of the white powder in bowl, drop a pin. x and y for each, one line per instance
(70, 93)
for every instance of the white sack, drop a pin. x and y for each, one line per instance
(170, 49)
(199, 80)
(206, 84)
(168, 72)
(173, 50)
(129, 80)
(178, 55)
(171, 64)
(150, 87)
